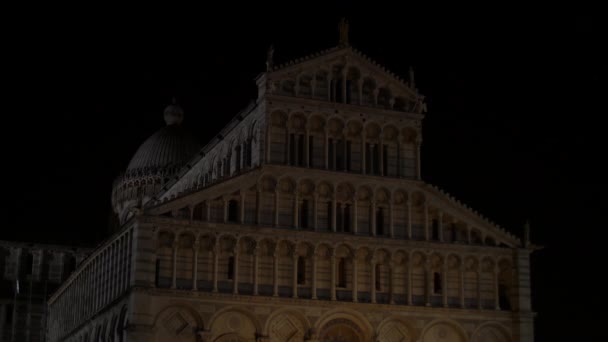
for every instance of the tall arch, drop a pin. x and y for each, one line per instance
(444, 331)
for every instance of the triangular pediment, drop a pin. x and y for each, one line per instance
(346, 63)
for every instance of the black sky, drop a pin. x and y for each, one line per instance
(511, 128)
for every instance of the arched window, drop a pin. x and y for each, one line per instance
(304, 214)
(301, 270)
(436, 283)
(503, 297)
(380, 221)
(233, 211)
(435, 230)
(341, 273)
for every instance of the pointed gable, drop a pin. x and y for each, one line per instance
(344, 75)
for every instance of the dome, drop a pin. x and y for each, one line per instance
(169, 148)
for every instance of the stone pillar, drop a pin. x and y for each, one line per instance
(315, 211)
(393, 265)
(355, 218)
(372, 169)
(333, 275)
(409, 266)
(345, 152)
(418, 166)
(335, 157)
(391, 223)
(440, 219)
(255, 270)
(333, 213)
(174, 272)
(355, 280)
(496, 287)
(462, 303)
(427, 234)
(444, 281)
(479, 306)
(295, 276)
(314, 276)
(296, 150)
(288, 156)
(276, 208)
(295, 209)
(195, 266)
(216, 252)
(326, 149)
(275, 273)
(373, 279)
(409, 219)
(235, 276)
(429, 281)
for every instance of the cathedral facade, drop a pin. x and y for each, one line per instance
(305, 219)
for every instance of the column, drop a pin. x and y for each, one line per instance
(333, 275)
(333, 213)
(276, 208)
(296, 150)
(242, 207)
(496, 288)
(479, 286)
(372, 169)
(355, 215)
(409, 282)
(444, 285)
(372, 218)
(440, 219)
(295, 276)
(315, 211)
(409, 219)
(275, 274)
(314, 276)
(195, 266)
(355, 280)
(326, 149)
(391, 223)
(418, 175)
(427, 234)
(235, 276)
(468, 228)
(258, 207)
(461, 293)
(174, 274)
(296, 199)
(429, 281)
(393, 265)
(255, 270)
(345, 157)
(216, 251)
(373, 279)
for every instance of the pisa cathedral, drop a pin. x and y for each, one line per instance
(305, 219)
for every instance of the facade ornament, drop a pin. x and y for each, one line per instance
(343, 32)
(269, 58)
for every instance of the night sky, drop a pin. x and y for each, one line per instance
(510, 129)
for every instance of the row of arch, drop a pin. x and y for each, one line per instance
(346, 207)
(289, 325)
(343, 83)
(306, 269)
(321, 140)
(111, 328)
